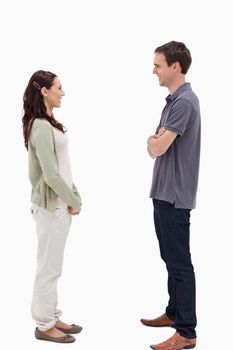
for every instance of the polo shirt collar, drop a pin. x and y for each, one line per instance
(182, 88)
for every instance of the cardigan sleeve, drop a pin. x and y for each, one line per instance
(45, 151)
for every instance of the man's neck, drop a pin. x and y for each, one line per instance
(176, 84)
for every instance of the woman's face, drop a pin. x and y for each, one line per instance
(53, 95)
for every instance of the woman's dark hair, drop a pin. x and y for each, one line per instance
(33, 103)
(175, 51)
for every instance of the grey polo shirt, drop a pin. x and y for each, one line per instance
(175, 175)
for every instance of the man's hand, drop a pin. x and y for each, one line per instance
(156, 136)
(73, 211)
(161, 132)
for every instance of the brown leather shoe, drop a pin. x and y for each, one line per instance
(64, 339)
(73, 330)
(161, 321)
(176, 342)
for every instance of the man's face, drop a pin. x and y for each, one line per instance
(164, 72)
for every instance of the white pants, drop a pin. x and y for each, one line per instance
(52, 231)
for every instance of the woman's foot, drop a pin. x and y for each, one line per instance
(60, 324)
(54, 335)
(54, 332)
(68, 329)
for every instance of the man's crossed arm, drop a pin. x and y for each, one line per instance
(158, 144)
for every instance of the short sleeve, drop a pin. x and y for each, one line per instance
(179, 117)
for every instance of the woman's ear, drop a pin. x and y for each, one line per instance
(44, 91)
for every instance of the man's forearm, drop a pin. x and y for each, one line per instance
(149, 142)
(150, 154)
(152, 146)
(158, 144)
(152, 137)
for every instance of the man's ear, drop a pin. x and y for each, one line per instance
(44, 91)
(176, 66)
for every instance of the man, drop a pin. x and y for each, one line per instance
(176, 147)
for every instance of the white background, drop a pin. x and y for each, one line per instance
(102, 52)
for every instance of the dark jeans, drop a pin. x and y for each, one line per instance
(172, 229)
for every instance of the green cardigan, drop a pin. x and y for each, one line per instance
(44, 176)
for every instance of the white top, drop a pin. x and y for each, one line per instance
(61, 142)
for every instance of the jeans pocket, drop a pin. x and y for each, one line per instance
(34, 212)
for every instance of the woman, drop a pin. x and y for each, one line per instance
(54, 200)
